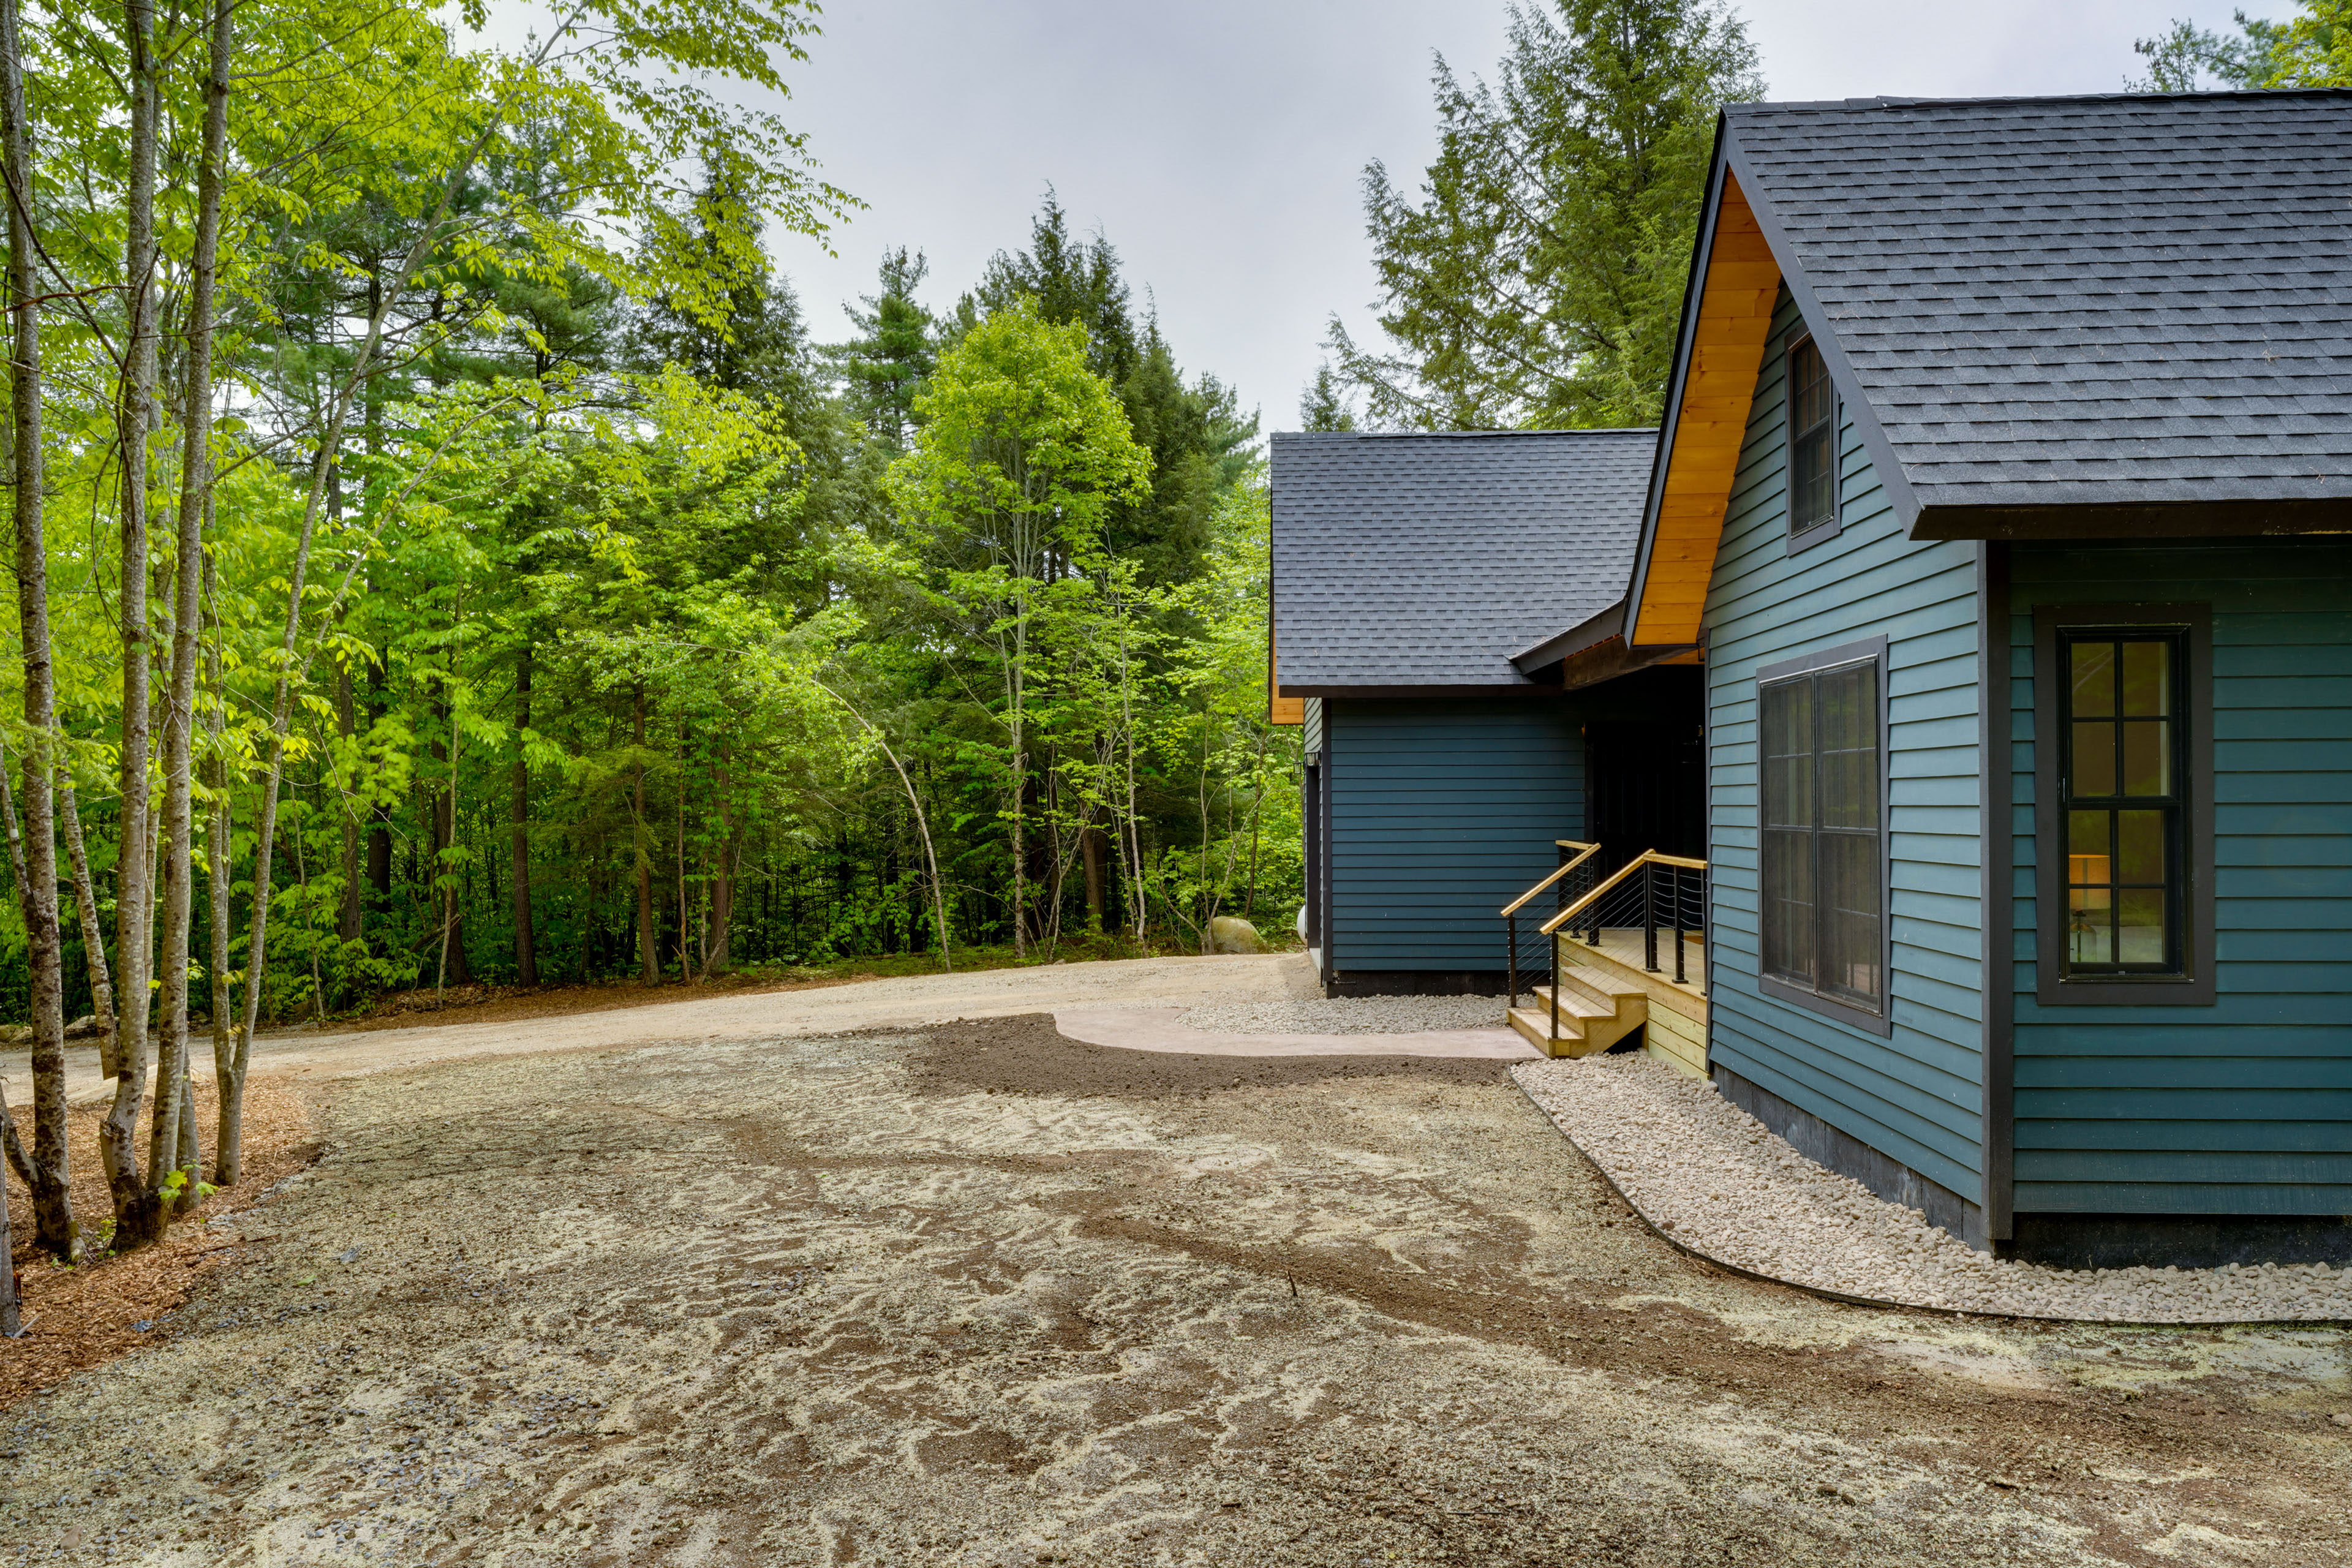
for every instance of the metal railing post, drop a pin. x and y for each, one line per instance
(1650, 919)
(1679, 978)
(1511, 959)
(1555, 994)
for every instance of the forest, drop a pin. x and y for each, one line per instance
(445, 554)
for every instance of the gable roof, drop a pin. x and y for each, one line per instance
(1419, 561)
(2122, 315)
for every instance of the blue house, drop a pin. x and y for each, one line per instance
(1408, 572)
(2004, 492)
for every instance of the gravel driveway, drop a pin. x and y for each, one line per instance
(978, 1295)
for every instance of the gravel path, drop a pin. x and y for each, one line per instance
(1710, 1174)
(1349, 1016)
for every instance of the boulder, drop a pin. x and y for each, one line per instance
(16, 1034)
(1227, 934)
(85, 1027)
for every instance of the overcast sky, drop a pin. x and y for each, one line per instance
(1219, 144)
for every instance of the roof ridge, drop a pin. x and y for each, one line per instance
(1471, 434)
(1901, 101)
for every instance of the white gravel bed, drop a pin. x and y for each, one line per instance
(1707, 1173)
(1349, 1015)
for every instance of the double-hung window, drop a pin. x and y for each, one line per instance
(1813, 446)
(2124, 782)
(1822, 898)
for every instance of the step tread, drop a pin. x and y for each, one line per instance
(1602, 982)
(1534, 1027)
(1571, 1003)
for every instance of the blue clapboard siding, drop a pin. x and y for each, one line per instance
(2244, 1107)
(1441, 813)
(1916, 1095)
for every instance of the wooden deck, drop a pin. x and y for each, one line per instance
(1624, 946)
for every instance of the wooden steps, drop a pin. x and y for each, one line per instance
(1597, 1009)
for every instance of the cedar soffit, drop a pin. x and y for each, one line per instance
(1710, 422)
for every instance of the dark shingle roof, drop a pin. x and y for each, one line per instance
(1429, 560)
(2118, 301)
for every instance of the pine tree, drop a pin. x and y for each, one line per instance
(890, 362)
(1325, 404)
(1072, 280)
(1534, 279)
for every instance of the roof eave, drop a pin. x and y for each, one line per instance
(1422, 689)
(1670, 412)
(1597, 629)
(2095, 520)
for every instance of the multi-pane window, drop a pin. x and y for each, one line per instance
(1823, 895)
(2122, 783)
(1812, 441)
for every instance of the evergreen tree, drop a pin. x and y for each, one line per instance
(888, 366)
(1325, 404)
(761, 347)
(1072, 280)
(1200, 441)
(1534, 279)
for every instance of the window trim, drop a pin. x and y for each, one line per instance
(1881, 1022)
(2053, 988)
(1831, 527)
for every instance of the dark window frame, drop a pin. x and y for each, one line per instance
(1827, 528)
(2194, 987)
(1852, 1014)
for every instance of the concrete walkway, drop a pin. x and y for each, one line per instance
(1158, 1029)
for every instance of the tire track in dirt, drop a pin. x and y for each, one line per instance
(833, 1300)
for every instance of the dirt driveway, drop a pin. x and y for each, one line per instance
(974, 1294)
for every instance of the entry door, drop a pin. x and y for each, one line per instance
(1645, 788)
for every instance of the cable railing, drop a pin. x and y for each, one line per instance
(1656, 892)
(1532, 953)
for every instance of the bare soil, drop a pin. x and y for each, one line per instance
(1025, 1055)
(977, 1295)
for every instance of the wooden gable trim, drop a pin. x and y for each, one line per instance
(1723, 350)
(1279, 709)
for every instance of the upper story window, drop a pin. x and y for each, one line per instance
(1813, 441)
(1823, 902)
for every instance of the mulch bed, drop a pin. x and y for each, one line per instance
(1026, 1055)
(77, 1318)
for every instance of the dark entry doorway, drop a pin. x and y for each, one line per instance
(1645, 788)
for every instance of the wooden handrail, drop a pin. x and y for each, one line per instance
(1647, 858)
(1585, 852)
